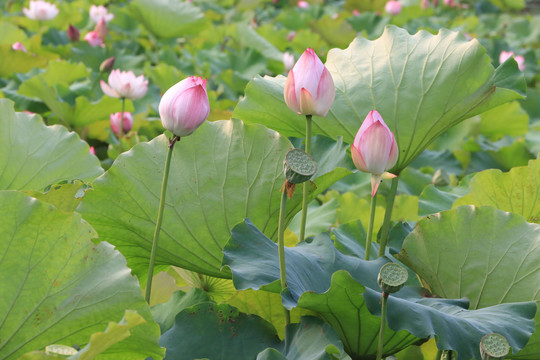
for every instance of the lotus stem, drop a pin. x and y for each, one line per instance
(382, 328)
(159, 220)
(370, 226)
(305, 186)
(387, 216)
(122, 118)
(281, 250)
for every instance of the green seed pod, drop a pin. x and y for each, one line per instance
(441, 178)
(299, 166)
(62, 350)
(494, 347)
(392, 277)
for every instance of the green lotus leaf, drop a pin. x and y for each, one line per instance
(219, 175)
(488, 255)
(421, 84)
(33, 156)
(58, 287)
(517, 191)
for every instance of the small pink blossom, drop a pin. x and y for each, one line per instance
(101, 29)
(288, 60)
(18, 46)
(355, 12)
(302, 4)
(393, 7)
(450, 3)
(94, 39)
(100, 12)
(124, 84)
(118, 122)
(40, 10)
(291, 35)
(185, 106)
(505, 55)
(92, 150)
(73, 33)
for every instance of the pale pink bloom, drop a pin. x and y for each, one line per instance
(184, 107)
(309, 89)
(424, 4)
(334, 16)
(355, 12)
(92, 150)
(291, 35)
(302, 4)
(288, 60)
(94, 39)
(40, 10)
(505, 55)
(18, 47)
(101, 28)
(124, 84)
(374, 149)
(117, 122)
(450, 3)
(393, 7)
(100, 12)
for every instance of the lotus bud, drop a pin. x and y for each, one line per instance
(73, 33)
(124, 84)
(185, 106)
(392, 277)
(94, 39)
(107, 65)
(302, 4)
(118, 122)
(288, 60)
(92, 150)
(505, 55)
(309, 89)
(18, 46)
(393, 7)
(101, 28)
(374, 149)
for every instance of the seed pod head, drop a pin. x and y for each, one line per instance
(440, 178)
(299, 166)
(494, 347)
(60, 350)
(392, 277)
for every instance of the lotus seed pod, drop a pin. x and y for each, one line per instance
(299, 166)
(494, 347)
(440, 178)
(60, 350)
(392, 277)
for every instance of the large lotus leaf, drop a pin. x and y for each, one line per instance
(488, 255)
(421, 84)
(217, 332)
(310, 339)
(169, 18)
(224, 172)
(517, 191)
(33, 156)
(59, 287)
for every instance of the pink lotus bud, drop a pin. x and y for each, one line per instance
(20, 47)
(117, 122)
(40, 10)
(505, 55)
(302, 4)
(355, 12)
(107, 64)
(374, 149)
(100, 12)
(450, 3)
(424, 4)
(393, 7)
(184, 107)
(73, 33)
(291, 35)
(288, 60)
(92, 150)
(94, 39)
(124, 84)
(309, 89)
(101, 28)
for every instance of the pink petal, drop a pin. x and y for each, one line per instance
(108, 90)
(358, 159)
(290, 93)
(307, 104)
(375, 181)
(325, 93)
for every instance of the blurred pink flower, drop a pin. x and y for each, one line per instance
(302, 4)
(100, 12)
(40, 10)
(505, 55)
(124, 84)
(374, 149)
(291, 35)
(184, 107)
(73, 33)
(117, 122)
(18, 47)
(309, 89)
(101, 29)
(424, 4)
(393, 7)
(355, 12)
(92, 150)
(450, 3)
(94, 39)
(288, 60)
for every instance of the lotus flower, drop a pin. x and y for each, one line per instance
(184, 107)
(124, 84)
(40, 10)
(374, 149)
(18, 46)
(73, 33)
(505, 55)
(288, 60)
(309, 89)
(100, 12)
(393, 7)
(121, 124)
(94, 39)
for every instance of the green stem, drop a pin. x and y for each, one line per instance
(370, 226)
(446, 355)
(383, 326)
(305, 188)
(439, 354)
(122, 118)
(159, 220)
(387, 216)
(281, 249)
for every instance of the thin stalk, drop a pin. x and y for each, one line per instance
(159, 220)
(370, 226)
(122, 118)
(439, 354)
(281, 250)
(383, 326)
(305, 185)
(387, 216)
